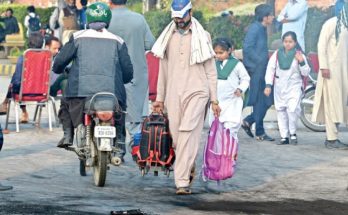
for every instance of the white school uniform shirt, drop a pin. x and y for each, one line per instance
(287, 83)
(231, 105)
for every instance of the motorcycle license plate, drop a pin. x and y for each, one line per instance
(105, 131)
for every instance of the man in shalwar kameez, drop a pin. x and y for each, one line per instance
(294, 17)
(187, 80)
(138, 37)
(331, 95)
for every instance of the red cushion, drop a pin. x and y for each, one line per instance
(36, 72)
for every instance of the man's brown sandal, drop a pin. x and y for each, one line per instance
(183, 191)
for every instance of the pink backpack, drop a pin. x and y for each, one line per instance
(220, 153)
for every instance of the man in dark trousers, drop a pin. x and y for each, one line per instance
(255, 59)
(91, 73)
(2, 187)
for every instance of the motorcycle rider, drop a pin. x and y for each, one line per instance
(100, 63)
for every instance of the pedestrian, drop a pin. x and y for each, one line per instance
(53, 44)
(58, 82)
(32, 21)
(233, 80)
(187, 79)
(284, 72)
(11, 23)
(139, 39)
(3, 187)
(54, 20)
(35, 42)
(331, 94)
(82, 19)
(255, 59)
(91, 73)
(68, 19)
(294, 17)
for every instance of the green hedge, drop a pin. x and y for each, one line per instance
(216, 26)
(315, 19)
(20, 11)
(233, 29)
(158, 20)
(135, 5)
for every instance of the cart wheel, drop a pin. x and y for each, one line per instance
(155, 173)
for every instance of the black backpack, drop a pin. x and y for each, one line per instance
(155, 148)
(34, 23)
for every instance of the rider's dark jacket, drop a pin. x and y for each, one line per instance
(100, 63)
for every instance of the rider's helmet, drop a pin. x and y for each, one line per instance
(98, 12)
(180, 8)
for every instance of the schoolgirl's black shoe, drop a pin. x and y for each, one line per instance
(293, 139)
(283, 141)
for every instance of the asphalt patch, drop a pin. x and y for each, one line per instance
(291, 207)
(33, 209)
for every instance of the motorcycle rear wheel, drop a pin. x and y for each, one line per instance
(100, 168)
(307, 109)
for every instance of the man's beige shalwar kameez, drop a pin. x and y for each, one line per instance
(185, 90)
(331, 95)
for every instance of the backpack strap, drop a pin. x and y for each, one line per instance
(67, 12)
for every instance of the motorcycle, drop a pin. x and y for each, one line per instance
(94, 139)
(307, 102)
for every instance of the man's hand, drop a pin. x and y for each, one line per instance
(284, 21)
(216, 109)
(238, 93)
(325, 73)
(158, 107)
(78, 5)
(267, 91)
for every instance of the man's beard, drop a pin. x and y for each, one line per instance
(183, 25)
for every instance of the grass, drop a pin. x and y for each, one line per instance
(245, 8)
(136, 7)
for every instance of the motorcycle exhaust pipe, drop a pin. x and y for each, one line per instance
(116, 161)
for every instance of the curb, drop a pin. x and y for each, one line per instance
(7, 69)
